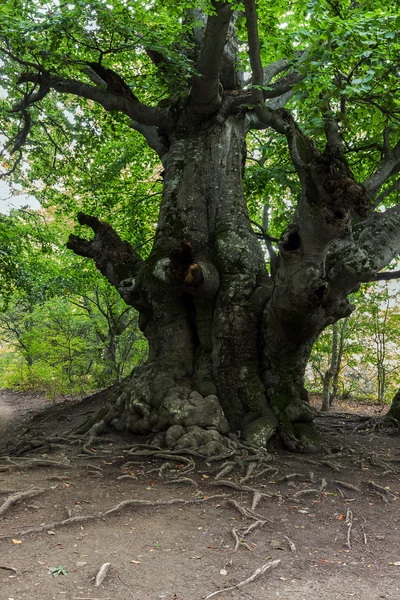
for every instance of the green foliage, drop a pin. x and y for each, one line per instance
(64, 329)
(370, 365)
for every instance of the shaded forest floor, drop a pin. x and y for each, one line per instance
(326, 526)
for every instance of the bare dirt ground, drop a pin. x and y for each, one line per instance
(174, 527)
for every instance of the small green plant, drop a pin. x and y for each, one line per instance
(56, 571)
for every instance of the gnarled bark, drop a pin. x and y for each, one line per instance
(228, 344)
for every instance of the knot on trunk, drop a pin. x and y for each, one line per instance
(339, 183)
(113, 257)
(184, 266)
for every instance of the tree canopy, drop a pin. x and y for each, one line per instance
(331, 62)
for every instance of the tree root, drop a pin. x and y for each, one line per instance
(11, 500)
(381, 489)
(260, 571)
(239, 541)
(374, 424)
(32, 463)
(115, 509)
(349, 524)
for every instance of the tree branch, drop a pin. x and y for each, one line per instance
(273, 69)
(385, 276)
(377, 245)
(388, 167)
(385, 193)
(280, 120)
(334, 143)
(113, 257)
(152, 137)
(254, 51)
(110, 100)
(205, 93)
(283, 85)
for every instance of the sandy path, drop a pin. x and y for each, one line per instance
(16, 408)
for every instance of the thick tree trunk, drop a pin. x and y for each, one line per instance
(228, 344)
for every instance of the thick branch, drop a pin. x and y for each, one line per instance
(113, 257)
(110, 100)
(388, 167)
(273, 69)
(334, 144)
(280, 120)
(151, 136)
(254, 51)
(205, 92)
(377, 245)
(283, 85)
(385, 276)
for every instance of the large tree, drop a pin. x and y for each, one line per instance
(228, 338)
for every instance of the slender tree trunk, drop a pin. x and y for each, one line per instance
(330, 373)
(338, 366)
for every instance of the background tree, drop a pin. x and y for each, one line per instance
(228, 340)
(366, 349)
(57, 337)
(335, 347)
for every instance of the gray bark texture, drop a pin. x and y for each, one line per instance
(229, 342)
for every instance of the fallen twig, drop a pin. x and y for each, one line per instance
(6, 568)
(349, 523)
(257, 573)
(304, 492)
(101, 575)
(292, 545)
(348, 486)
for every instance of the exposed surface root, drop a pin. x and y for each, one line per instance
(266, 567)
(31, 463)
(378, 424)
(11, 500)
(116, 509)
